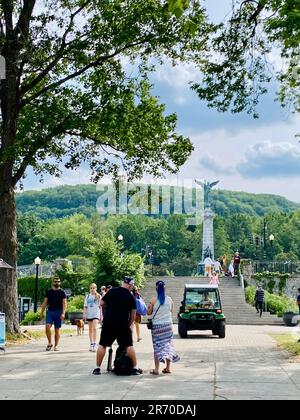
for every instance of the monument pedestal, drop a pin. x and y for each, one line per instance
(208, 233)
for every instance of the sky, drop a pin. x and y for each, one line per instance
(258, 156)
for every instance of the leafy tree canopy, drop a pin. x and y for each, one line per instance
(238, 68)
(74, 100)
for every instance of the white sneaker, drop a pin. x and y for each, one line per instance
(91, 347)
(94, 347)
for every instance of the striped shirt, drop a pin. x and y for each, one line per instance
(259, 295)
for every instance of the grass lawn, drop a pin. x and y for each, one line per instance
(288, 342)
(19, 339)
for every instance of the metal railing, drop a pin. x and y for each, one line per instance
(45, 270)
(292, 267)
(48, 270)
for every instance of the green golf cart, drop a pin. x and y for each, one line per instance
(201, 309)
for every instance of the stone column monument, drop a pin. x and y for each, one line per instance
(208, 228)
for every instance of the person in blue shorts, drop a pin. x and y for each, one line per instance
(56, 301)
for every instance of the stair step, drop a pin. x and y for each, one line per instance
(235, 308)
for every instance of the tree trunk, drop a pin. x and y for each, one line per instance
(8, 252)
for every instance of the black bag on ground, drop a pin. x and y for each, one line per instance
(122, 364)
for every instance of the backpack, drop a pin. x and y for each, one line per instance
(141, 307)
(122, 365)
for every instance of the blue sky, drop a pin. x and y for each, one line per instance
(260, 156)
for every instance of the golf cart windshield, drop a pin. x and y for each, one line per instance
(202, 299)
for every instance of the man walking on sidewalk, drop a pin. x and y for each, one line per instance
(56, 301)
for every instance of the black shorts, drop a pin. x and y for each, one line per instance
(112, 331)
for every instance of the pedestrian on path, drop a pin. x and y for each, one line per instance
(91, 314)
(217, 267)
(161, 308)
(120, 310)
(208, 264)
(141, 309)
(56, 302)
(214, 280)
(236, 263)
(259, 299)
(231, 269)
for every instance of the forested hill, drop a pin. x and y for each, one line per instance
(67, 200)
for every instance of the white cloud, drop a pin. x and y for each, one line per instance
(216, 165)
(268, 159)
(177, 76)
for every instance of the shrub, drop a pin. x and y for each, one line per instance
(276, 304)
(31, 317)
(77, 282)
(75, 303)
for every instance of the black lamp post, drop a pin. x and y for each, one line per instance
(151, 256)
(37, 263)
(264, 239)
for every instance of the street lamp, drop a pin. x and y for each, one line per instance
(37, 263)
(271, 239)
(120, 239)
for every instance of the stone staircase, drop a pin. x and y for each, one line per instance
(234, 306)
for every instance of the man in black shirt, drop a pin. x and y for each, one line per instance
(120, 310)
(259, 299)
(56, 301)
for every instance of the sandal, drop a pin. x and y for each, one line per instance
(49, 347)
(153, 372)
(166, 371)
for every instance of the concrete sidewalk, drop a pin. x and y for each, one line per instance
(244, 365)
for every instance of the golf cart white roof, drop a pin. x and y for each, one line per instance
(201, 286)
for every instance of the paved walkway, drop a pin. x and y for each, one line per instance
(244, 365)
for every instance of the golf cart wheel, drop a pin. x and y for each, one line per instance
(221, 332)
(182, 329)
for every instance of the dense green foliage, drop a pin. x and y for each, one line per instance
(175, 245)
(67, 200)
(111, 265)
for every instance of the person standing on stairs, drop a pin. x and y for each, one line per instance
(214, 279)
(259, 299)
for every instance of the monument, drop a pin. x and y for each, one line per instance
(208, 227)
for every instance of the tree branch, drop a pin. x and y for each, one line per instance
(22, 26)
(34, 148)
(95, 63)
(259, 9)
(94, 139)
(7, 6)
(57, 56)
